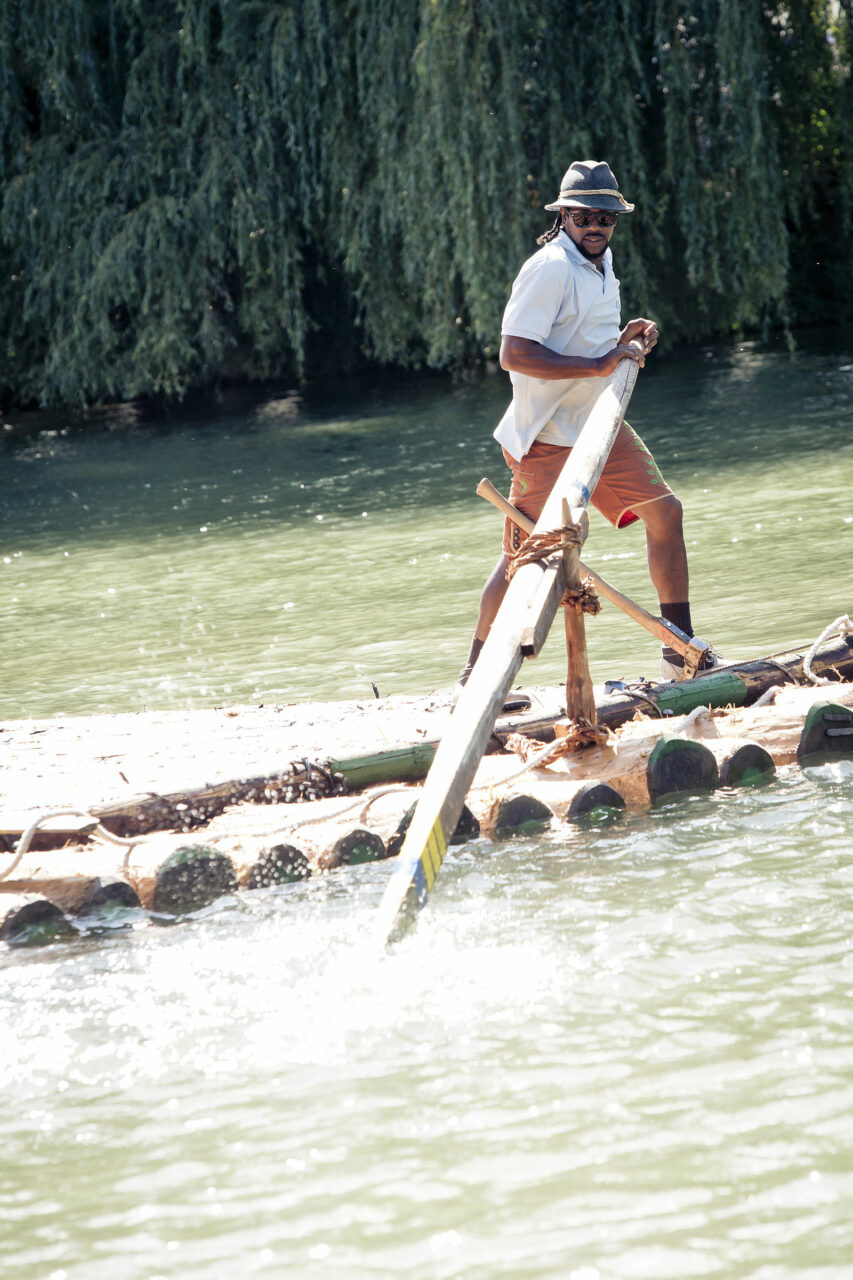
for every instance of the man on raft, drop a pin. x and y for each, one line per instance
(560, 335)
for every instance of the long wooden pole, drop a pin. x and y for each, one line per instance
(666, 632)
(532, 598)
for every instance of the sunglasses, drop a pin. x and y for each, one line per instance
(589, 219)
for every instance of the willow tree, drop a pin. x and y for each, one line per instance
(151, 217)
(245, 188)
(812, 100)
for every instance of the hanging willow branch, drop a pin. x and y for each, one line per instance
(245, 188)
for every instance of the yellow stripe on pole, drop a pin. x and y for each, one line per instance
(433, 855)
(429, 869)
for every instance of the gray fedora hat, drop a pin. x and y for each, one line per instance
(589, 184)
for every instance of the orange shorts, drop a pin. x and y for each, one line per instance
(630, 478)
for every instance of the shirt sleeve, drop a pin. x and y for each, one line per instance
(543, 290)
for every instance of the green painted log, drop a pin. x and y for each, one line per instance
(112, 903)
(522, 816)
(680, 766)
(191, 878)
(737, 685)
(400, 764)
(594, 800)
(747, 765)
(716, 689)
(35, 923)
(352, 849)
(827, 733)
(282, 864)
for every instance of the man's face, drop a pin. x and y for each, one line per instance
(592, 239)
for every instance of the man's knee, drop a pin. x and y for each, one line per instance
(663, 518)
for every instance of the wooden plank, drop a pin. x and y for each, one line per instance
(473, 720)
(548, 597)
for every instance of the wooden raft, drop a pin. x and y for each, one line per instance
(56, 894)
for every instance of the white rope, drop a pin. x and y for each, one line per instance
(844, 627)
(364, 801)
(683, 722)
(94, 828)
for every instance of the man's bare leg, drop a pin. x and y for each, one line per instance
(490, 601)
(665, 547)
(668, 571)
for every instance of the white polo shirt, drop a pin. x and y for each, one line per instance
(563, 301)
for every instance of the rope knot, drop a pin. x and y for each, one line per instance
(583, 599)
(580, 734)
(583, 733)
(539, 546)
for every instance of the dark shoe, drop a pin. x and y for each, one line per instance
(672, 666)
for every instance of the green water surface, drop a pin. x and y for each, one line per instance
(309, 547)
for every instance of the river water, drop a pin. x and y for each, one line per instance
(616, 1053)
(299, 549)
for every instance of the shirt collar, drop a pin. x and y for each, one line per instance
(572, 251)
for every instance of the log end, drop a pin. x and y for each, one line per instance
(191, 878)
(111, 903)
(593, 801)
(35, 923)
(353, 849)
(282, 864)
(680, 766)
(522, 816)
(467, 828)
(827, 734)
(748, 764)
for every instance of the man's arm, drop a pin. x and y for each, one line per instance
(524, 355)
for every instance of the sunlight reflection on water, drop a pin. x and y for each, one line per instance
(628, 1045)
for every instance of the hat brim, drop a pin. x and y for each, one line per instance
(608, 203)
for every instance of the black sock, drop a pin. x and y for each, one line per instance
(678, 614)
(473, 655)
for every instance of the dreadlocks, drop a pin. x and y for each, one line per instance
(548, 236)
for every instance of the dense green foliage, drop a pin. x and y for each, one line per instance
(247, 188)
